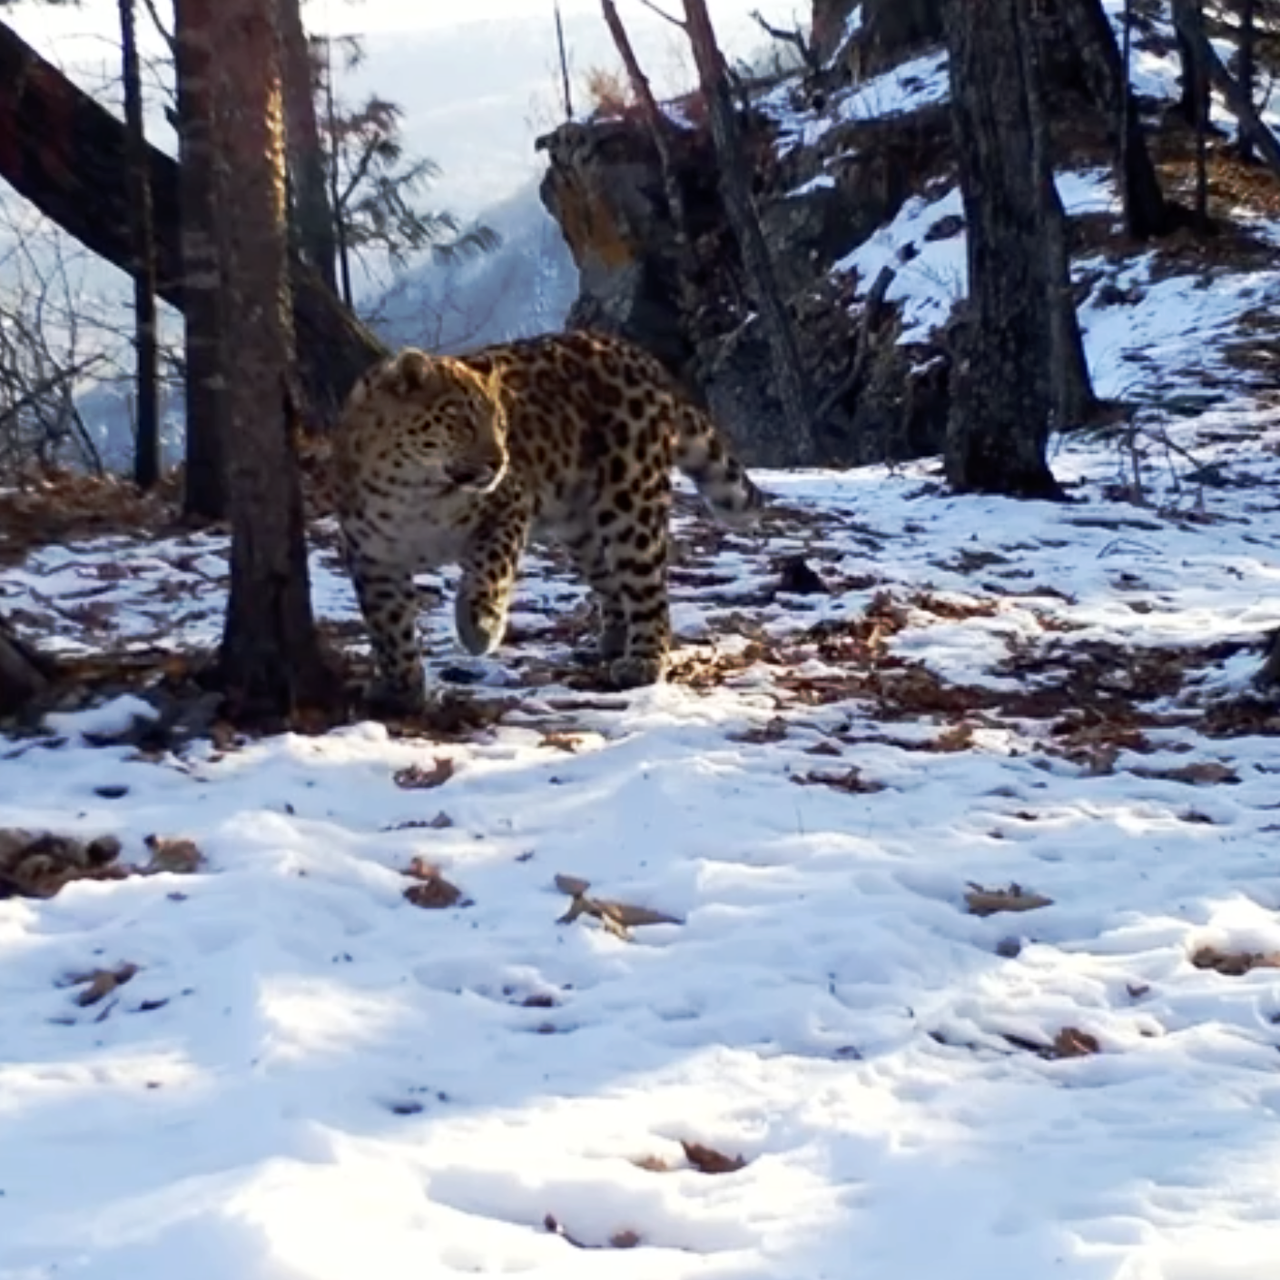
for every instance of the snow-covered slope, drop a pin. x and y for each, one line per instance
(309, 1077)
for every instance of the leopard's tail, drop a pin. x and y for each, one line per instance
(702, 454)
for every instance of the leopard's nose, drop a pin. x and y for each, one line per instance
(473, 475)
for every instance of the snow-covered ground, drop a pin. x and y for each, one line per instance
(310, 1076)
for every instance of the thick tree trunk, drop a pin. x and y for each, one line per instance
(24, 674)
(1246, 67)
(146, 449)
(1073, 398)
(195, 32)
(894, 29)
(1145, 212)
(1003, 385)
(67, 155)
(313, 215)
(735, 186)
(271, 661)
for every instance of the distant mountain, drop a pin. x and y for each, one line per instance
(525, 286)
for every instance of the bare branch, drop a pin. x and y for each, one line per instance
(795, 37)
(662, 13)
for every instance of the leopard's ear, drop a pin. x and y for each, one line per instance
(413, 370)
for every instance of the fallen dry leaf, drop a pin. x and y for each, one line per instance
(432, 890)
(624, 1240)
(616, 917)
(988, 902)
(1073, 1043)
(1201, 773)
(1234, 964)
(100, 983)
(172, 853)
(852, 781)
(708, 1160)
(416, 778)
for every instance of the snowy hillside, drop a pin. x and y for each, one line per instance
(268, 1058)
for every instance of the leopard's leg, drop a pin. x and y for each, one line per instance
(636, 550)
(389, 603)
(588, 553)
(489, 567)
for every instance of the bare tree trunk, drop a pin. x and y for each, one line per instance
(1238, 101)
(660, 132)
(1107, 77)
(271, 661)
(313, 213)
(146, 448)
(1245, 68)
(23, 673)
(564, 65)
(335, 196)
(68, 155)
(1073, 398)
(195, 40)
(1004, 392)
(735, 185)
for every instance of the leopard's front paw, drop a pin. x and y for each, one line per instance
(396, 698)
(480, 623)
(634, 672)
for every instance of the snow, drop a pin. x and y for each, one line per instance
(309, 1077)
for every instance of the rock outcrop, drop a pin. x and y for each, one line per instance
(822, 188)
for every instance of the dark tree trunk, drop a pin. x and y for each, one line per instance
(23, 673)
(892, 30)
(195, 32)
(1004, 390)
(67, 155)
(146, 449)
(1188, 21)
(1245, 68)
(1107, 77)
(271, 661)
(1073, 398)
(313, 215)
(735, 187)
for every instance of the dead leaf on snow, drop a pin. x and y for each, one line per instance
(417, 778)
(432, 891)
(758, 735)
(624, 1240)
(1234, 964)
(853, 782)
(651, 1164)
(707, 1160)
(989, 902)
(1070, 1042)
(172, 853)
(100, 983)
(1199, 773)
(568, 742)
(617, 918)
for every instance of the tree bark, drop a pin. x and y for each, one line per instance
(271, 661)
(1004, 391)
(735, 186)
(146, 449)
(23, 673)
(67, 155)
(1245, 68)
(313, 214)
(1188, 15)
(195, 33)
(1145, 212)
(1073, 398)
(892, 30)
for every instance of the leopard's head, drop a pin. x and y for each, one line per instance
(450, 420)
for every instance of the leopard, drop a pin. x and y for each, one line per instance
(566, 438)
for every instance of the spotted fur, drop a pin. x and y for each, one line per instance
(567, 437)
